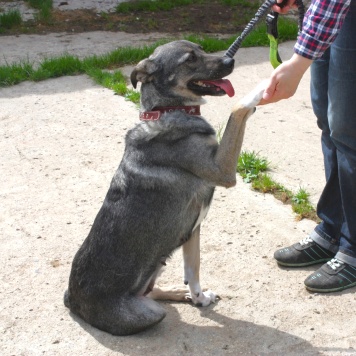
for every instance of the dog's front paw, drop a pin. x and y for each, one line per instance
(254, 97)
(203, 299)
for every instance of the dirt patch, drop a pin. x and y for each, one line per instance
(209, 17)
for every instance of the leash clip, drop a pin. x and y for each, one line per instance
(271, 22)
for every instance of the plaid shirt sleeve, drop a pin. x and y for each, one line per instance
(321, 25)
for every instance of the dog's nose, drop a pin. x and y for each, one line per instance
(228, 62)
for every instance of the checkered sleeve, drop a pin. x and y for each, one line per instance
(321, 24)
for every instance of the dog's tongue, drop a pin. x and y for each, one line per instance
(223, 84)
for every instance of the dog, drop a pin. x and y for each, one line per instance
(160, 192)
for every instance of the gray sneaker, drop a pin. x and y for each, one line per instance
(303, 253)
(333, 276)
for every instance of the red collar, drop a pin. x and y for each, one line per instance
(156, 113)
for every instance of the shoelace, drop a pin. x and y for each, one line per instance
(306, 240)
(335, 263)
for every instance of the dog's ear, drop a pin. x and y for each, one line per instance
(143, 71)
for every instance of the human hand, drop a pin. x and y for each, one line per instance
(285, 79)
(289, 5)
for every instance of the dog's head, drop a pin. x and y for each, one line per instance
(180, 72)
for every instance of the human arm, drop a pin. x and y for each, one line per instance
(322, 23)
(285, 79)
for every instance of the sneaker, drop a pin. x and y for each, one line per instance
(303, 253)
(333, 276)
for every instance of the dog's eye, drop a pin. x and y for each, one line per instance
(192, 57)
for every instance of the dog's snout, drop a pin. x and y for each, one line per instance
(228, 62)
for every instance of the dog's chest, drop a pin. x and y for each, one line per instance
(202, 200)
(203, 213)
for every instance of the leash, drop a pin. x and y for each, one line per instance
(272, 32)
(272, 29)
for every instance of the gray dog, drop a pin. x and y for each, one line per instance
(160, 193)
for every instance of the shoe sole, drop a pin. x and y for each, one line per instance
(304, 264)
(330, 290)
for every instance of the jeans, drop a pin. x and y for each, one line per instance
(333, 94)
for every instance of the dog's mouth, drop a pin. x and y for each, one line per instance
(212, 87)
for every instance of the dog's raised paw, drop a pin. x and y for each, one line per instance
(254, 97)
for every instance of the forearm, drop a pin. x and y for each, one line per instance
(285, 79)
(300, 64)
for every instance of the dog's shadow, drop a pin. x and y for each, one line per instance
(174, 336)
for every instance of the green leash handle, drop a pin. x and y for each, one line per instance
(272, 32)
(274, 57)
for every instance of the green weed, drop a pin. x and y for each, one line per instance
(61, 66)
(15, 73)
(44, 8)
(250, 165)
(265, 184)
(10, 19)
(301, 204)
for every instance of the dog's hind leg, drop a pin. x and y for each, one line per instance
(175, 294)
(121, 316)
(172, 293)
(191, 256)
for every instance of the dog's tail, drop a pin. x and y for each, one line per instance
(123, 316)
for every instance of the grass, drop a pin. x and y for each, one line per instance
(15, 73)
(166, 5)
(10, 19)
(250, 165)
(152, 6)
(115, 81)
(62, 66)
(253, 170)
(44, 8)
(72, 65)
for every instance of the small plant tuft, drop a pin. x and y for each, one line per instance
(61, 66)
(10, 19)
(44, 8)
(15, 73)
(250, 165)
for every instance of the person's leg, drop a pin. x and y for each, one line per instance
(342, 120)
(340, 273)
(329, 210)
(322, 244)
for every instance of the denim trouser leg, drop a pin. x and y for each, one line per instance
(333, 93)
